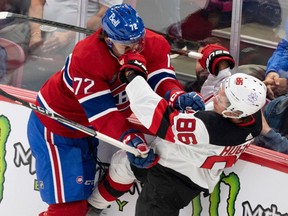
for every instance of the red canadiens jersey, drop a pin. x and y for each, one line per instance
(87, 90)
(197, 144)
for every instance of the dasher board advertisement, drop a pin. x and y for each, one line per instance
(247, 189)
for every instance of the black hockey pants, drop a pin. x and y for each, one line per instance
(165, 191)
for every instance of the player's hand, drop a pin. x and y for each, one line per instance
(35, 40)
(282, 87)
(57, 41)
(182, 101)
(213, 54)
(147, 158)
(133, 64)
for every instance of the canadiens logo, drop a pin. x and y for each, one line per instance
(119, 93)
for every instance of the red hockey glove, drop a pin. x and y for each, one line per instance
(133, 64)
(212, 55)
(182, 101)
(137, 140)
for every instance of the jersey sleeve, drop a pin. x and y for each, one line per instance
(161, 73)
(278, 62)
(158, 117)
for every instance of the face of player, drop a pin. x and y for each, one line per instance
(220, 101)
(121, 48)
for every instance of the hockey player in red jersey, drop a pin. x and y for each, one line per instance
(194, 147)
(87, 90)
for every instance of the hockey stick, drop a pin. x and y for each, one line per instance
(190, 54)
(71, 123)
(5, 15)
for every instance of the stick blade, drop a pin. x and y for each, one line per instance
(4, 15)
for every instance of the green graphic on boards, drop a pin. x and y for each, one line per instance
(232, 181)
(5, 129)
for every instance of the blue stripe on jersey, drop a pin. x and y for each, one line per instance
(99, 104)
(158, 77)
(67, 78)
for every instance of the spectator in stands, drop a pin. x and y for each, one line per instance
(14, 42)
(14, 29)
(270, 139)
(66, 11)
(277, 68)
(276, 111)
(158, 15)
(275, 77)
(203, 20)
(218, 13)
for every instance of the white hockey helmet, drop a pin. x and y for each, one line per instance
(245, 93)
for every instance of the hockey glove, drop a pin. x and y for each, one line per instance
(212, 55)
(133, 64)
(182, 101)
(147, 158)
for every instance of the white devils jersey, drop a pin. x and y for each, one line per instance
(197, 144)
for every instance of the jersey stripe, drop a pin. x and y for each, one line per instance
(162, 80)
(66, 76)
(155, 78)
(165, 124)
(99, 115)
(94, 106)
(55, 166)
(91, 96)
(44, 104)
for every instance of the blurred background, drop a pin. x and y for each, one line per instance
(250, 29)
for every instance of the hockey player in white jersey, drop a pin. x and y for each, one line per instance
(194, 146)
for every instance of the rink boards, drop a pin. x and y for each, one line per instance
(256, 185)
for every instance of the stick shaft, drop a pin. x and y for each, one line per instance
(70, 123)
(4, 15)
(190, 54)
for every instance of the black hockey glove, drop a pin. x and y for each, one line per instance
(212, 55)
(133, 64)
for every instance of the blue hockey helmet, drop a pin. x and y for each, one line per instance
(122, 24)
